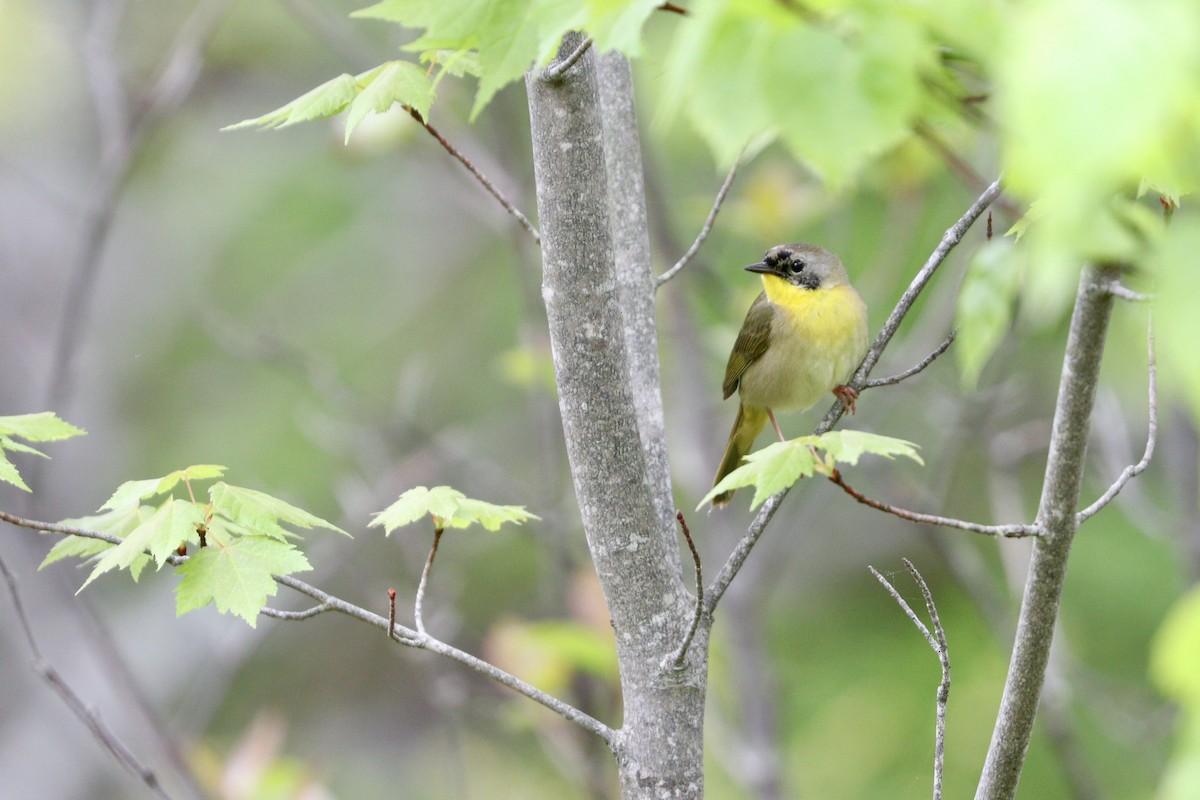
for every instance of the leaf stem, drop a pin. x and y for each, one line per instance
(417, 609)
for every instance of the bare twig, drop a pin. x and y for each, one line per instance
(391, 614)
(677, 659)
(673, 8)
(417, 615)
(555, 71)
(414, 639)
(407, 636)
(479, 176)
(1118, 289)
(1013, 531)
(949, 241)
(908, 373)
(88, 716)
(707, 227)
(1133, 470)
(966, 173)
(937, 640)
(295, 615)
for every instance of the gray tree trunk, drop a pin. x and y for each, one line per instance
(599, 298)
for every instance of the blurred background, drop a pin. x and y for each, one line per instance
(337, 324)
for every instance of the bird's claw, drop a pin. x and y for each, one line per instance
(848, 397)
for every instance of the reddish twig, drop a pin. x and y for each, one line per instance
(677, 658)
(479, 176)
(391, 614)
(437, 537)
(1013, 531)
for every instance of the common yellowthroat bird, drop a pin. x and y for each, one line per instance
(803, 336)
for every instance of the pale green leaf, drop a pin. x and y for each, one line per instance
(986, 303)
(119, 522)
(450, 507)
(9, 474)
(617, 24)
(457, 63)
(236, 575)
(780, 464)
(394, 82)
(261, 513)
(44, 426)
(198, 472)
(847, 446)
(169, 526)
(327, 100)
(489, 515)
(18, 447)
(770, 470)
(130, 492)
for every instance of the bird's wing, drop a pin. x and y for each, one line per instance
(752, 342)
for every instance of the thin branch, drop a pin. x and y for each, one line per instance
(949, 241)
(88, 716)
(479, 176)
(673, 8)
(1118, 289)
(1133, 470)
(1012, 531)
(407, 636)
(417, 615)
(677, 659)
(707, 227)
(937, 640)
(391, 614)
(908, 373)
(963, 169)
(295, 615)
(555, 71)
(412, 638)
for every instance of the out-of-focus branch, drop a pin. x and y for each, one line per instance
(1133, 470)
(88, 716)
(705, 229)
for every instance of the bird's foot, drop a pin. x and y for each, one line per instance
(848, 397)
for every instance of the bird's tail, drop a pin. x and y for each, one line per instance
(746, 427)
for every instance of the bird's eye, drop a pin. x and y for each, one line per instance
(796, 267)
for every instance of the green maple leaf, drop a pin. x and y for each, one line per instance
(172, 524)
(390, 83)
(449, 507)
(260, 513)
(780, 465)
(43, 426)
(120, 522)
(236, 574)
(131, 492)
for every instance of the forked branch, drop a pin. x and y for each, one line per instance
(937, 640)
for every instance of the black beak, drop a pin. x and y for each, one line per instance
(763, 267)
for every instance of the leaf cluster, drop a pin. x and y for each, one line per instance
(237, 539)
(780, 465)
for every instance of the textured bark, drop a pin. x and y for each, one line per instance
(599, 303)
(1056, 518)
